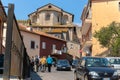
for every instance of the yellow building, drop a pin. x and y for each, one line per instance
(96, 14)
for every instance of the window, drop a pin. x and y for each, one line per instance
(57, 35)
(43, 45)
(65, 19)
(47, 17)
(32, 44)
(58, 18)
(54, 46)
(34, 19)
(49, 6)
(119, 6)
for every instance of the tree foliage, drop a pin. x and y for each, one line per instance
(109, 37)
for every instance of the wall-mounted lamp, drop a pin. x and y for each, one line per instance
(5, 24)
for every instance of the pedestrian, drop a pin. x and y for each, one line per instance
(39, 63)
(32, 63)
(36, 63)
(43, 63)
(49, 63)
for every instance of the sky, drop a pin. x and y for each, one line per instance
(24, 7)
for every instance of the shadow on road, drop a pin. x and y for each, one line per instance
(35, 76)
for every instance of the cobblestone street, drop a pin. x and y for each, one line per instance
(54, 75)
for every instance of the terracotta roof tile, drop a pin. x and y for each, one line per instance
(55, 30)
(24, 28)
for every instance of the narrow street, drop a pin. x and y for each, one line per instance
(54, 75)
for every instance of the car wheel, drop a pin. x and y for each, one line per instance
(75, 76)
(85, 78)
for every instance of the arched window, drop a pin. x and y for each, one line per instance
(34, 19)
(47, 17)
(65, 19)
(58, 19)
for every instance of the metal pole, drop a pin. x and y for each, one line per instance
(7, 57)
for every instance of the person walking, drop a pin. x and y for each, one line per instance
(49, 63)
(43, 63)
(36, 63)
(39, 63)
(32, 63)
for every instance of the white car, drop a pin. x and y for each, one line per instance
(115, 62)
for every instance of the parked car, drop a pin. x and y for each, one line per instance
(95, 68)
(115, 62)
(63, 64)
(74, 63)
(1, 63)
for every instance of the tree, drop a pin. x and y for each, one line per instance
(109, 37)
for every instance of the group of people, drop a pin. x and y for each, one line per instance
(41, 63)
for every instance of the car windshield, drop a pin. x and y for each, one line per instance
(114, 61)
(97, 62)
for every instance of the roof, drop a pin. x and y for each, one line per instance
(51, 9)
(23, 28)
(86, 7)
(45, 9)
(50, 4)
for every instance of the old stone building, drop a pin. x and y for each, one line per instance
(96, 14)
(55, 21)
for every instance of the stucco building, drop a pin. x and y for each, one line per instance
(96, 14)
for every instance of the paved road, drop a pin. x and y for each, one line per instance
(55, 75)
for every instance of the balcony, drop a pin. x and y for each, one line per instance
(56, 52)
(59, 52)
